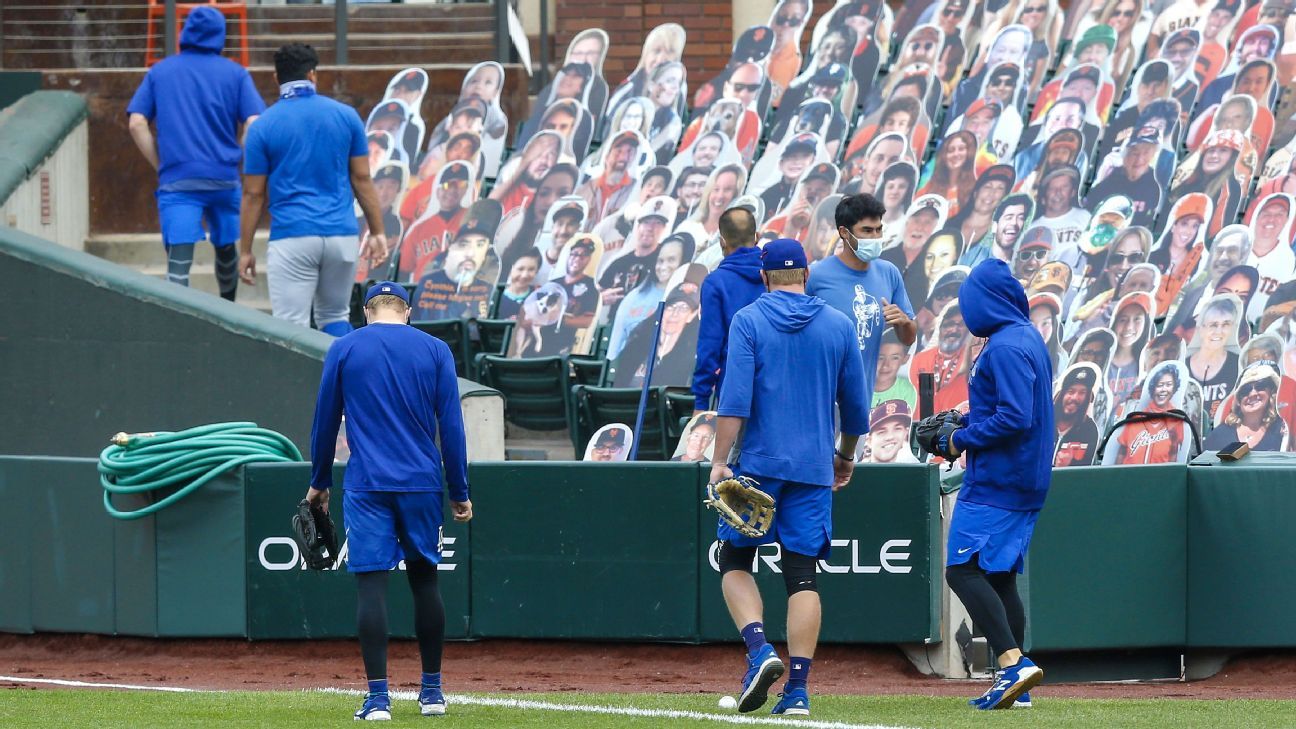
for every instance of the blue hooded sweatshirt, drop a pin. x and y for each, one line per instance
(735, 283)
(198, 99)
(791, 359)
(1009, 431)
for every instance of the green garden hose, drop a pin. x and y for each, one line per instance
(139, 463)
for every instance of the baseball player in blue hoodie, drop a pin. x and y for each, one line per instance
(735, 283)
(791, 359)
(1008, 438)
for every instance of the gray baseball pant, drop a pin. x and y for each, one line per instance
(312, 270)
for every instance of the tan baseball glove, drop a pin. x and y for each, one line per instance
(740, 503)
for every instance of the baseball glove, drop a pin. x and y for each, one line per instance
(316, 538)
(745, 507)
(934, 433)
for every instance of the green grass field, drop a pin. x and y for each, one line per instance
(69, 709)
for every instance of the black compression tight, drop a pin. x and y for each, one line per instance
(993, 603)
(371, 617)
(429, 613)
(371, 622)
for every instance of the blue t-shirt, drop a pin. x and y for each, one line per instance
(197, 100)
(304, 145)
(860, 295)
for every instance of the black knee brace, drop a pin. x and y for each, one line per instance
(799, 573)
(731, 558)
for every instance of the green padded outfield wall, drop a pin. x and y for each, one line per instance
(585, 550)
(1242, 562)
(1108, 563)
(285, 600)
(880, 584)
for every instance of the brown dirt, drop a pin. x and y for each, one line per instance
(531, 666)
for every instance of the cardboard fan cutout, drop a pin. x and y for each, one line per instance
(565, 219)
(639, 302)
(888, 437)
(381, 144)
(410, 86)
(1214, 354)
(1251, 415)
(722, 188)
(1078, 433)
(1271, 221)
(428, 235)
(520, 177)
(1229, 249)
(520, 229)
(558, 317)
(676, 344)
(1220, 171)
(389, 182)
(787, 20)
(1264, 350)
(394, 117)
(855, 33)
(752, 48)
(612, 181)
(775, 175)
(610, 444)
(663, 44)
(590, 46)
(459, 284)
(482, 86)
(1011, 45)
(697, 442)
(1157, 440)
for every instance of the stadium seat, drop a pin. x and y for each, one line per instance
(454, 332)
(599, 406)
(492, 338)
(534, 390)
(678, 405)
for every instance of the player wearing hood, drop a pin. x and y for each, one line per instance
(1008, 437)
(200, 103)
(792, 358)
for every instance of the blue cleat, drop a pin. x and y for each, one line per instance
(1022, 702)
(1011, 683)
(763, 670)
(377, 707)
(793, 703)
(431, 701)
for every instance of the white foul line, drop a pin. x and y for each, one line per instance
(624, 711)
(87, 684)
(503, 704)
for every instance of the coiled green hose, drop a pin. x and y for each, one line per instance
(143, 462)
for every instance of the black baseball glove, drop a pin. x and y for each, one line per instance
(935, 431)
(316, 538)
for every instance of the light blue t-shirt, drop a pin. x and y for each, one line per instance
(304, 145)
(860, 295)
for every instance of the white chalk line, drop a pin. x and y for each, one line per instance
(533, 705)
(501, 703)
(89, 684)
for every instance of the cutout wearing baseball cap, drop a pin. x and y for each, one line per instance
(1081, 375)
(890, 410)
(783, 254)
(387, 288)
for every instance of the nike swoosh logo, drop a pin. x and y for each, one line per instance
(965, 549)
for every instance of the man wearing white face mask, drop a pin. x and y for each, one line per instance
(867, 289)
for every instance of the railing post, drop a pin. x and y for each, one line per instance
(501, 31)
(340, 32)
(168, 29)
(544, 43)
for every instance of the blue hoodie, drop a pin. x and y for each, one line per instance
(1009, 432)
(198, 99)
(791, 359)
(735, 283)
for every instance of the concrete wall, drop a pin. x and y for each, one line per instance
(90, 348)
(54, 202)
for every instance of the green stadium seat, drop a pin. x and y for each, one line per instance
(534, 390)
(599, 406)
(587, 370)
(492, 337)
(454, 332)
(678, 403)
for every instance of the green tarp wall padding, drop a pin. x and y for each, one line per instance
(32, 130)
(287, 601)
(584, 550)
(1108, 562)
(1242, 562)
(880, 584)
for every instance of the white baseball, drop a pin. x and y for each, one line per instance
(728, 703)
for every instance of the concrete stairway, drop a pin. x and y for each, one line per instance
(144, 253)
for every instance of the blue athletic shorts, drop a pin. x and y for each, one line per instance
(183, 215)
(802, 519)
(1001, 537)
(384, 527)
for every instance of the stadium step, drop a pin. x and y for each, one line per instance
(144, 253)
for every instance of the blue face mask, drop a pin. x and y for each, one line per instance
(866, 250)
